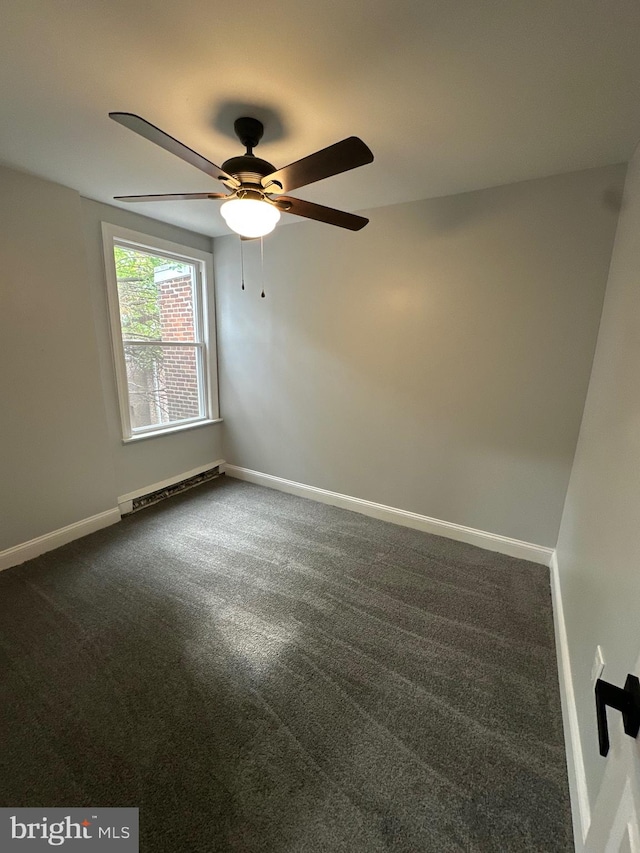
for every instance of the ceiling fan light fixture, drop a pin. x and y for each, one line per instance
(250, 217)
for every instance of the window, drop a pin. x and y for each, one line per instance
(160, 303)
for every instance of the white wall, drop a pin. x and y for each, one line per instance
(54, 444)
(61, 456)
(599, 543)
(436, 361)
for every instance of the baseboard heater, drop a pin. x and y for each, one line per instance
(151, 498)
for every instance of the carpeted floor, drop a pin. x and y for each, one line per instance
(258, 672)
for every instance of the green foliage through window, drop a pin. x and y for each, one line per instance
(138, 292)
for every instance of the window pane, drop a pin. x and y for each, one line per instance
(163, 384)
(155, 295)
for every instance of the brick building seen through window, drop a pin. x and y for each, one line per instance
(163, 380)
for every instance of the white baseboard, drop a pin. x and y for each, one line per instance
(580, 808)
(488, 541)
(41, 544)
(125, 501)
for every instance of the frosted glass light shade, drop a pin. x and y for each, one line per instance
(250, 217)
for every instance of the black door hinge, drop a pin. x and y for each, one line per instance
(626, 700)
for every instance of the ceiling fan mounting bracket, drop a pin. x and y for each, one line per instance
(249, 131)
(273, 187)
(250, 194)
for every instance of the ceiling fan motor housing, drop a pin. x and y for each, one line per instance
(248, 169)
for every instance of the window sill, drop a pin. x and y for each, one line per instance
(170, 430)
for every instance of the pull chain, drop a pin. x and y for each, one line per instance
(262, 264)
(242, 260)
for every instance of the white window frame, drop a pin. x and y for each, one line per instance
(204, 315)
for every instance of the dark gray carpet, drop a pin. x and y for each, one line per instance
(258, 672)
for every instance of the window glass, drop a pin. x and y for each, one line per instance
(162, 357)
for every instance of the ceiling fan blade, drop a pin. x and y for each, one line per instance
(340, 157)
(159, 137)
(322, 214)
(169, 197)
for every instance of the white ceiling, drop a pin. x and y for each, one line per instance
(450, 95)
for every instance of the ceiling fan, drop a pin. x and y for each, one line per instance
(255, 187)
